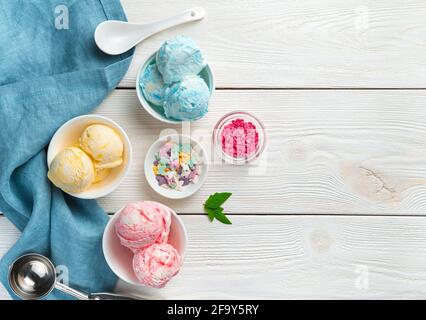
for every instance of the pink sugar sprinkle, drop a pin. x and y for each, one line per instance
(240, 139)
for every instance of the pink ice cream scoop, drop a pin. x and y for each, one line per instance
(143, 223)
(156, 265)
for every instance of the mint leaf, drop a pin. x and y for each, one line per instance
(213, 207)
(219, 215)
(217, 199)
(210, 213)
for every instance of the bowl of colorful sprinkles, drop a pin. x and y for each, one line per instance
(239, 137)
(176, 166)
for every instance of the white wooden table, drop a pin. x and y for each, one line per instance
(337, 208)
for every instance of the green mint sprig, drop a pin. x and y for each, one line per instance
(213, 207)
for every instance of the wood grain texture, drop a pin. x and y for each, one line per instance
(328, 151)
(293, 258)
(286, 43)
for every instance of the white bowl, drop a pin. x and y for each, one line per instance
(187, 190)
(68, 135)
(157, 111)
(120, 258)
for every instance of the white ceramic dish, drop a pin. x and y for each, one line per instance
(187, 190)
(157, 111)
(68, 135)
(120, 258)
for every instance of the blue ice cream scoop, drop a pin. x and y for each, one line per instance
(178, 58)
(152, 85)
(187, 100)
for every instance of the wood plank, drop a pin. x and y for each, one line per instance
(292, 257)
(345, 151)
(8, 236)
(286, 43)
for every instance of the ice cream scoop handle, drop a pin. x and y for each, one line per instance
(72, 292)
(193, 14)
(109, 296)
(92, 296)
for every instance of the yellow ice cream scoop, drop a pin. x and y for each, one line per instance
(104, 145)
(72, 170)
(101, 174)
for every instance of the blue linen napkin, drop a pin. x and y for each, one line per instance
(49, 74)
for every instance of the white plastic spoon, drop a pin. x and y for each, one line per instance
(116, 37)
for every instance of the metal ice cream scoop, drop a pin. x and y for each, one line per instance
(116, 37)
(32, 276)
